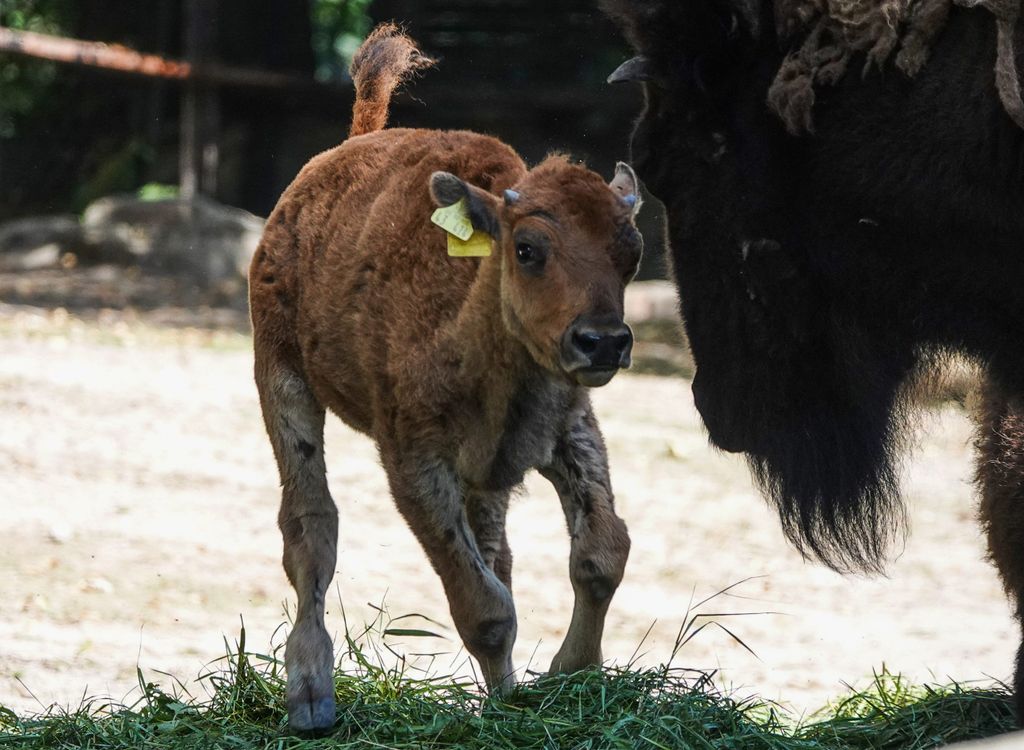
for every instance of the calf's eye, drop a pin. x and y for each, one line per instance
(530, 256)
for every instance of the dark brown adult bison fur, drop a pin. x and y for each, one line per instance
(821, 274)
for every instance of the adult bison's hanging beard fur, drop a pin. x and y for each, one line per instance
(832, 473)
(822, 418)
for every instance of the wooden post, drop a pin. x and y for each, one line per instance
(200, 106)
(157, 96)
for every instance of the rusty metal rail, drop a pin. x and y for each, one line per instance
(121, 59)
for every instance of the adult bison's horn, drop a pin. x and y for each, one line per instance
(634, 69)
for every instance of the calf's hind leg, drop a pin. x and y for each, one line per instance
(309, 524)
(600, 542)
(1001, 479)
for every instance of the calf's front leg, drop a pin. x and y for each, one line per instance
(430, 497)
(486, 511)
(600, 542)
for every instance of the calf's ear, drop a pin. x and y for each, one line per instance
(446, 189)
(626, 185)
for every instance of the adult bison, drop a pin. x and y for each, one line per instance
(844, 184)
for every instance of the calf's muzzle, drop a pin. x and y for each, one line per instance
(593, 350)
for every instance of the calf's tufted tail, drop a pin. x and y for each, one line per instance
(382, 63)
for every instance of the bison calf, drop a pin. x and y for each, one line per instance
(467, 372)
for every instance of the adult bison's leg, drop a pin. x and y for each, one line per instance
(1001, 477)
(600, 543)
(309, 525)
(429, 496)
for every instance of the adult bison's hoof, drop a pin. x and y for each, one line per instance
(312, 716)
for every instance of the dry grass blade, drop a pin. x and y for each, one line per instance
(689, 629)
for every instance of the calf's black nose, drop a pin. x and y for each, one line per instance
(604, 346)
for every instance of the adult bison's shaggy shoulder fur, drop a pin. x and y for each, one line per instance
(821, 275)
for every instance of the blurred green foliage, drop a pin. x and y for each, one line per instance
(116, 170)
(25, 82)
(157, 191)
(338, 28)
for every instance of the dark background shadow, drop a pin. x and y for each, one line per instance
(530, 73)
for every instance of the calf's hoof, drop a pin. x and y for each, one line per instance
(309, 661)
(570, 660)
(491, 643)
(311, 715)
(503, 680)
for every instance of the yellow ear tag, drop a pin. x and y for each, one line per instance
(463, 240)
(477, 246)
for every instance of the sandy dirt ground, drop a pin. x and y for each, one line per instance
(138, 502)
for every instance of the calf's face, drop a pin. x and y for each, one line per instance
(568, 245)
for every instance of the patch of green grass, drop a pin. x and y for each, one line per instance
(893, 714)
(382, 707)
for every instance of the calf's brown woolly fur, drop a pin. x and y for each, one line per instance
(466, 372)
